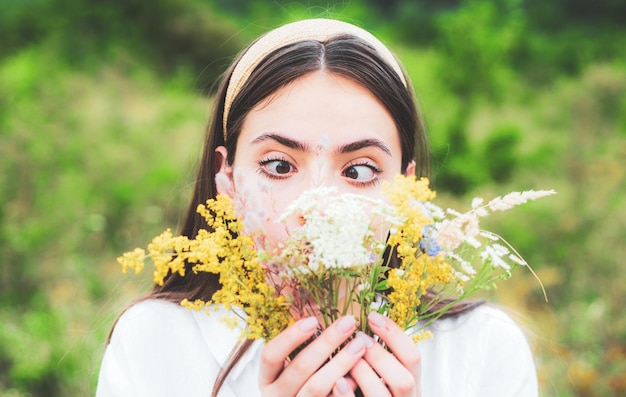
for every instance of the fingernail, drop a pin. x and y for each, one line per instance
(357, 345)
(308, 324)
(377, 319)
(346, 324)
(366, 339)
(342, 385)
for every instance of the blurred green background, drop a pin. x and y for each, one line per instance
(102, 111)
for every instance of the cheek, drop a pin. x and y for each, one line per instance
(274, 230)
(260, 206)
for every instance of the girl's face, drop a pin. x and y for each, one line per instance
(323, 129)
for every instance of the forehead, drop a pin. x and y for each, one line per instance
(322, 104)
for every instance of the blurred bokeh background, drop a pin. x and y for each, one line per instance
(102, 111)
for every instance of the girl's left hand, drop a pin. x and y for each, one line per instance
(384, 373)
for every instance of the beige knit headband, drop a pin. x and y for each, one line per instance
(310, 29)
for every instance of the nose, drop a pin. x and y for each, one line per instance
(322, 172)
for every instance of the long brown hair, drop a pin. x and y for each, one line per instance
(344, 55)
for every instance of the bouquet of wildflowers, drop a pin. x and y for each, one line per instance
(403, 257)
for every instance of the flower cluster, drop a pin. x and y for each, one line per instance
(225, 251)
(404, 257)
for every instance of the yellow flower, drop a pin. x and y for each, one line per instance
(198, 304)
(415, 277)
(133, 260)
(268, 291)
(225, 251)
(422, 335)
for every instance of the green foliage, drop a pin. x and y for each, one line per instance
(74, 149)
(576, 244)
(499, 153)
(462, 165)
(458, 170)
(166, 34)
(477, 39)
(101, 124)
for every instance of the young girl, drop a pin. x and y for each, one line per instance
(316, 102)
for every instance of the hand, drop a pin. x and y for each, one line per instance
(381, 373)
(308, 374)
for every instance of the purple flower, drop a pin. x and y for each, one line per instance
(428, 244)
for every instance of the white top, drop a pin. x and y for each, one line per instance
(162, 349)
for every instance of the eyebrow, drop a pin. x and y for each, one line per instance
(304, 147)
(290, 143)
(365, 143)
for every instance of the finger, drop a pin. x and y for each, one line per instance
(399, 379)
(351, 382)
(321, 382)
(282, 379)
(404, 351)
(368, 380)
(278, 349)
(312, 357)
(343, 388)
(402, 345)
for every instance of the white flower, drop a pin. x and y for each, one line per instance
(516, 198)
(433, 211)
(493, 253)
(462, 277)
(223, 183)
(487, 234)
(377, 303)
(477, 202)
(467, 268)
(517, 259)
(253, 223)
(337, 229)
(322, 144)
(455, 228)
(473, 241)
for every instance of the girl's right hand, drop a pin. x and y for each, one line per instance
(306, 374)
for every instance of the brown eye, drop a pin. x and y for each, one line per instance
(280, 167)
(360, 172)
(276, 168)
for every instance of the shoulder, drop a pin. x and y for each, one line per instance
(155, 343)
(160, 334)
(484, 318)
(486, 349)
(152, 322)
(484, 322)
(152, 343)
(175, 328)
(151, 315)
